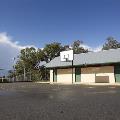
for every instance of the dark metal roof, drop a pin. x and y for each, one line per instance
(90, 58)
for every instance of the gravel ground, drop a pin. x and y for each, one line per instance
(32, 101)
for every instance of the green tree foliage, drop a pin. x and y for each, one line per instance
(111, 43)
(27, 59)
(52, 50)
(40, 55)
(76, 46)
(11, 73)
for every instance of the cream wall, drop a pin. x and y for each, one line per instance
(88, 74)
(65, 76)
(51, 76)
(88, 78)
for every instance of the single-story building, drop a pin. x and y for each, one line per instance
(91, 67)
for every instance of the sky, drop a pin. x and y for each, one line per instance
(39, 22)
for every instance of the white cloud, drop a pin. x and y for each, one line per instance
(9, 50)
(96, 49)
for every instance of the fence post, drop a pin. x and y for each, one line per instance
(2, 79)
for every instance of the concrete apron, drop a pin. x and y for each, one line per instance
(95, 84)
(102, 84)
(43, 82)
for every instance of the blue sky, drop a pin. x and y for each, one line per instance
(41, 21)
(37, 22)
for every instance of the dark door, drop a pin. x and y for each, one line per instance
(78, 74)
(117, 73)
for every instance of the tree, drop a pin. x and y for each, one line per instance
(77, 48)
(111, 43)
(52, 50)
(11, 74)
(40, 55)
(27, 59)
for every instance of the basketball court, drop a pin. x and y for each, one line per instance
(31, 101)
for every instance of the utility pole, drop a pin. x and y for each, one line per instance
(2, 79)
(30, 76)
(14, 68)
(24, 73)
(24, 68)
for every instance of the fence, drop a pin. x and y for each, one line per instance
(28, 77)
(4, 80)
(21, 78)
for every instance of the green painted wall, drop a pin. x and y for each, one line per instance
(117, 73)
(77, 74)
(55, 75)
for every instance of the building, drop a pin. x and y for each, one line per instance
(92, 67)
